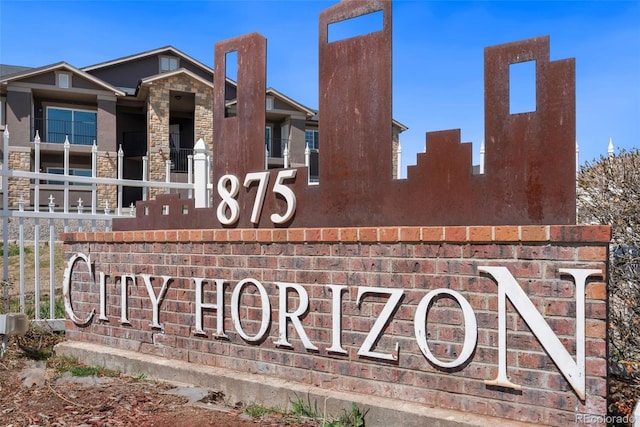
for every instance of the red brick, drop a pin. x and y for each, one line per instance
(313, 235)
(455, 234)
(208, 235)
(295, 235)
(280, 235)
(480, 234)
(506, 233)
(534, 233)
(220, 236)
(597, 291)
(330, 234)
(368, 234)
(348, 235)
(234, 235)
(248, 235)
(410, 234)
(195, 235)
(596, 328)
(581, 233)
(432, 234)
(263, 235)
(388, 234)
(592, 253)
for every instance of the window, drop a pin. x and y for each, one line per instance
(311, 139)
(269, 102)
(64, 80)
(267, 138)
(522, 87)
(168, 63)
(73, 172)
(79, 125)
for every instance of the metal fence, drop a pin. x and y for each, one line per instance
(33, 222)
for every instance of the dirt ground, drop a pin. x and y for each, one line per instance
(37, 393)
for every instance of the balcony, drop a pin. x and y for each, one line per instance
(180, 159)
(275, 146)
(55, 131)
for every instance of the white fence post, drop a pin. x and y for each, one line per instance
(190, 174)
(285, 154)
(145, 175)
(120, 176)
(167, 172)
(67, 145)
(482, 158)
(94, 174)
(200, 172)
(5, 223)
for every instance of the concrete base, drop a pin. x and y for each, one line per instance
(272, 392)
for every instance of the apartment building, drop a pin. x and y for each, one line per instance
(152, 105)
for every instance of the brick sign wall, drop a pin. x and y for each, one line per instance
(392, 311)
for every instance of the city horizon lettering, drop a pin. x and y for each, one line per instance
(507, 288)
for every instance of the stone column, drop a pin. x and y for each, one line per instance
(19, 159)
(107, 168)
(158, 134)
(107, 150)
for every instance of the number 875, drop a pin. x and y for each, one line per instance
(228, 211)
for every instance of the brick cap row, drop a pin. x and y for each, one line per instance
(446, 234)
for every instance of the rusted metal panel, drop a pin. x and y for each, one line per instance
(529, 157)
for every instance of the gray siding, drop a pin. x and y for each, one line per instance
(19, 117)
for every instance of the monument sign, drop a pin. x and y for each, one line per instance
(448, 289)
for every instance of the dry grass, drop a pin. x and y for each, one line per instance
(10, 290)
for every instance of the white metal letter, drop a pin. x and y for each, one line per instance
(336, 319)
(395, 295)
(287, 193)
(103, 297)
(283, 314)
(218, 306)
(228, 200)
(124, 301)
(235, 309)
(66, 289)
(155, 301)
(263, 179)
(573, 371)
(470, 328)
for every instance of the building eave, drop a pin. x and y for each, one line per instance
(61, 66)
(148, 53)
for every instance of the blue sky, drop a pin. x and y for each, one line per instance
(438, 52)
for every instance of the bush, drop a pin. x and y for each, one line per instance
(609, 193)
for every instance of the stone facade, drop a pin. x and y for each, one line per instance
(107, 168)
(19, 160)
(158, 115)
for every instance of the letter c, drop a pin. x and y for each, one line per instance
(66, 289)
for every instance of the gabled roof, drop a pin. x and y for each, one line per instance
(400, 125)
(166, 49)
(60, 66)
(296, 104)
(175, 72)
(7, 70)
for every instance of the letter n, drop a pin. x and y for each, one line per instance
(573, 371)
